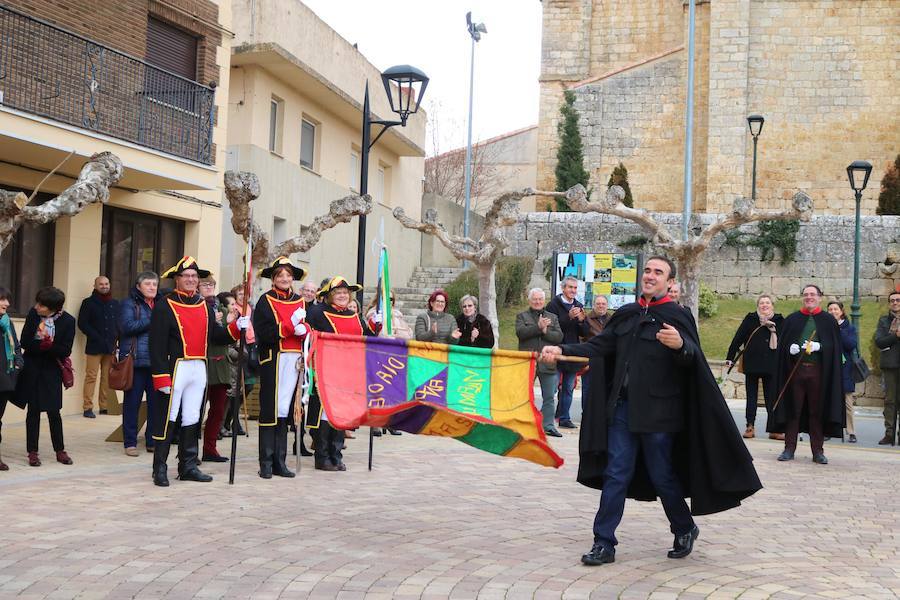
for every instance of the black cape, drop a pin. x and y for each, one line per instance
(709, 456)
(828, 334)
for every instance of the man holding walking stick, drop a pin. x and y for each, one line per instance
(808, 378)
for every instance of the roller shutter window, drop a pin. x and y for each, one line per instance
(171, 49)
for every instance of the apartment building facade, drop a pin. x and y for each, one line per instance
(142, 79)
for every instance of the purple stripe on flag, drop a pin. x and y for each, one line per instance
(385, 374)
(412, 420)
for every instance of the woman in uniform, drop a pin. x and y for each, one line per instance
(332, 315)
(280, 331)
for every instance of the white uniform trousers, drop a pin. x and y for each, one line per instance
(287, 381)
(188, 387)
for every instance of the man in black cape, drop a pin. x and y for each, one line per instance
(810, 393)
(655, 422)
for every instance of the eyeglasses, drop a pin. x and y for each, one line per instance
(207, 285)
(892, 300)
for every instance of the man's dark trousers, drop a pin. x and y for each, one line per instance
(806, 388)
(622, 448)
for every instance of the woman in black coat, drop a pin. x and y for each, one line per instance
(759, 341)
(10, 359)
(476, 330)
(849, 342)
(47, 339)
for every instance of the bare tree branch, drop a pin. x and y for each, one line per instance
(688, 253)
(484, 252)
(242, 188)
(454, 243)
(99, 173)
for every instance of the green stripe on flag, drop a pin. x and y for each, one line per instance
(469, 382)
(387, 323)
(491, 438)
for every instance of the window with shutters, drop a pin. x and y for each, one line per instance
(307, 143)
(173, 51)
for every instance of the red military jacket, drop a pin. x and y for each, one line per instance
(181, 328)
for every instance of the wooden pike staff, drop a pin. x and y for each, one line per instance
(242, 357)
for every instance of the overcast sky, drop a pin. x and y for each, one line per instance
(432, 36)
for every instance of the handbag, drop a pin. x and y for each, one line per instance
(121, 371)
(68, 371)
(860, 370)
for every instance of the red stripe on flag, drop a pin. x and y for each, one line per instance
(342, 363)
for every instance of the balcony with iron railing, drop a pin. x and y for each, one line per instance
(53, 73)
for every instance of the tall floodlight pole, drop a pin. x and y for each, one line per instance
(475, 31)
(689, 128)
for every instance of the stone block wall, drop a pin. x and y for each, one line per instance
(822, 72)
(824, 252)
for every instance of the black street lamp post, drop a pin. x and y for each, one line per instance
(404, 86)
(858, 173)
(756, 124)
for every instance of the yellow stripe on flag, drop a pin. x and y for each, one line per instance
(447, 425)
(511, 399)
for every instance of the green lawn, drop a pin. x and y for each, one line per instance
(716, 333)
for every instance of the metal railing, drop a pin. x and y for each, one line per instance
(48, 71)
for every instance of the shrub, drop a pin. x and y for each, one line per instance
(511, 281)
(708, 302)
(889, 198)
(619, 176)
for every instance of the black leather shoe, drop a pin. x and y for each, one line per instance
(568, 425)
(195, 474)
(393, 431)
(211, 458)
(326, 467)
(786, 456)
(599, 555)
(820, 459)
(160, 477)
(265, 472)
(684, 543)
(553, 432)
(887, 440)
(376, 432)
(103, 411)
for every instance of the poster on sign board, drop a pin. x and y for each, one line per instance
(614, 275)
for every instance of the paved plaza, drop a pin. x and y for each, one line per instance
(434, 519)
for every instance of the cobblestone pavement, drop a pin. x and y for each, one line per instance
(435, 519)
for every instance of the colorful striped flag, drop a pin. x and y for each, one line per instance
(481, 397)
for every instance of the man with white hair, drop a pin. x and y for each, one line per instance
(535, 329)
(574, 325)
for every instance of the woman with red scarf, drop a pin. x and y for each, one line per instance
(279, 324)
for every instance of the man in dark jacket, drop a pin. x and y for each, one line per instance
(573, 323)
(98, 321)
(808, 378)
(656, 422)
(535, 328)
(887, 338)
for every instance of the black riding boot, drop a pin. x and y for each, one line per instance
(188, 455)
(266, 451)
(161, 455)
(279, 467)
(321, 451)
(336, 445)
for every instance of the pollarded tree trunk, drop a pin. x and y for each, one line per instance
(687, 265)
(487, 296)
